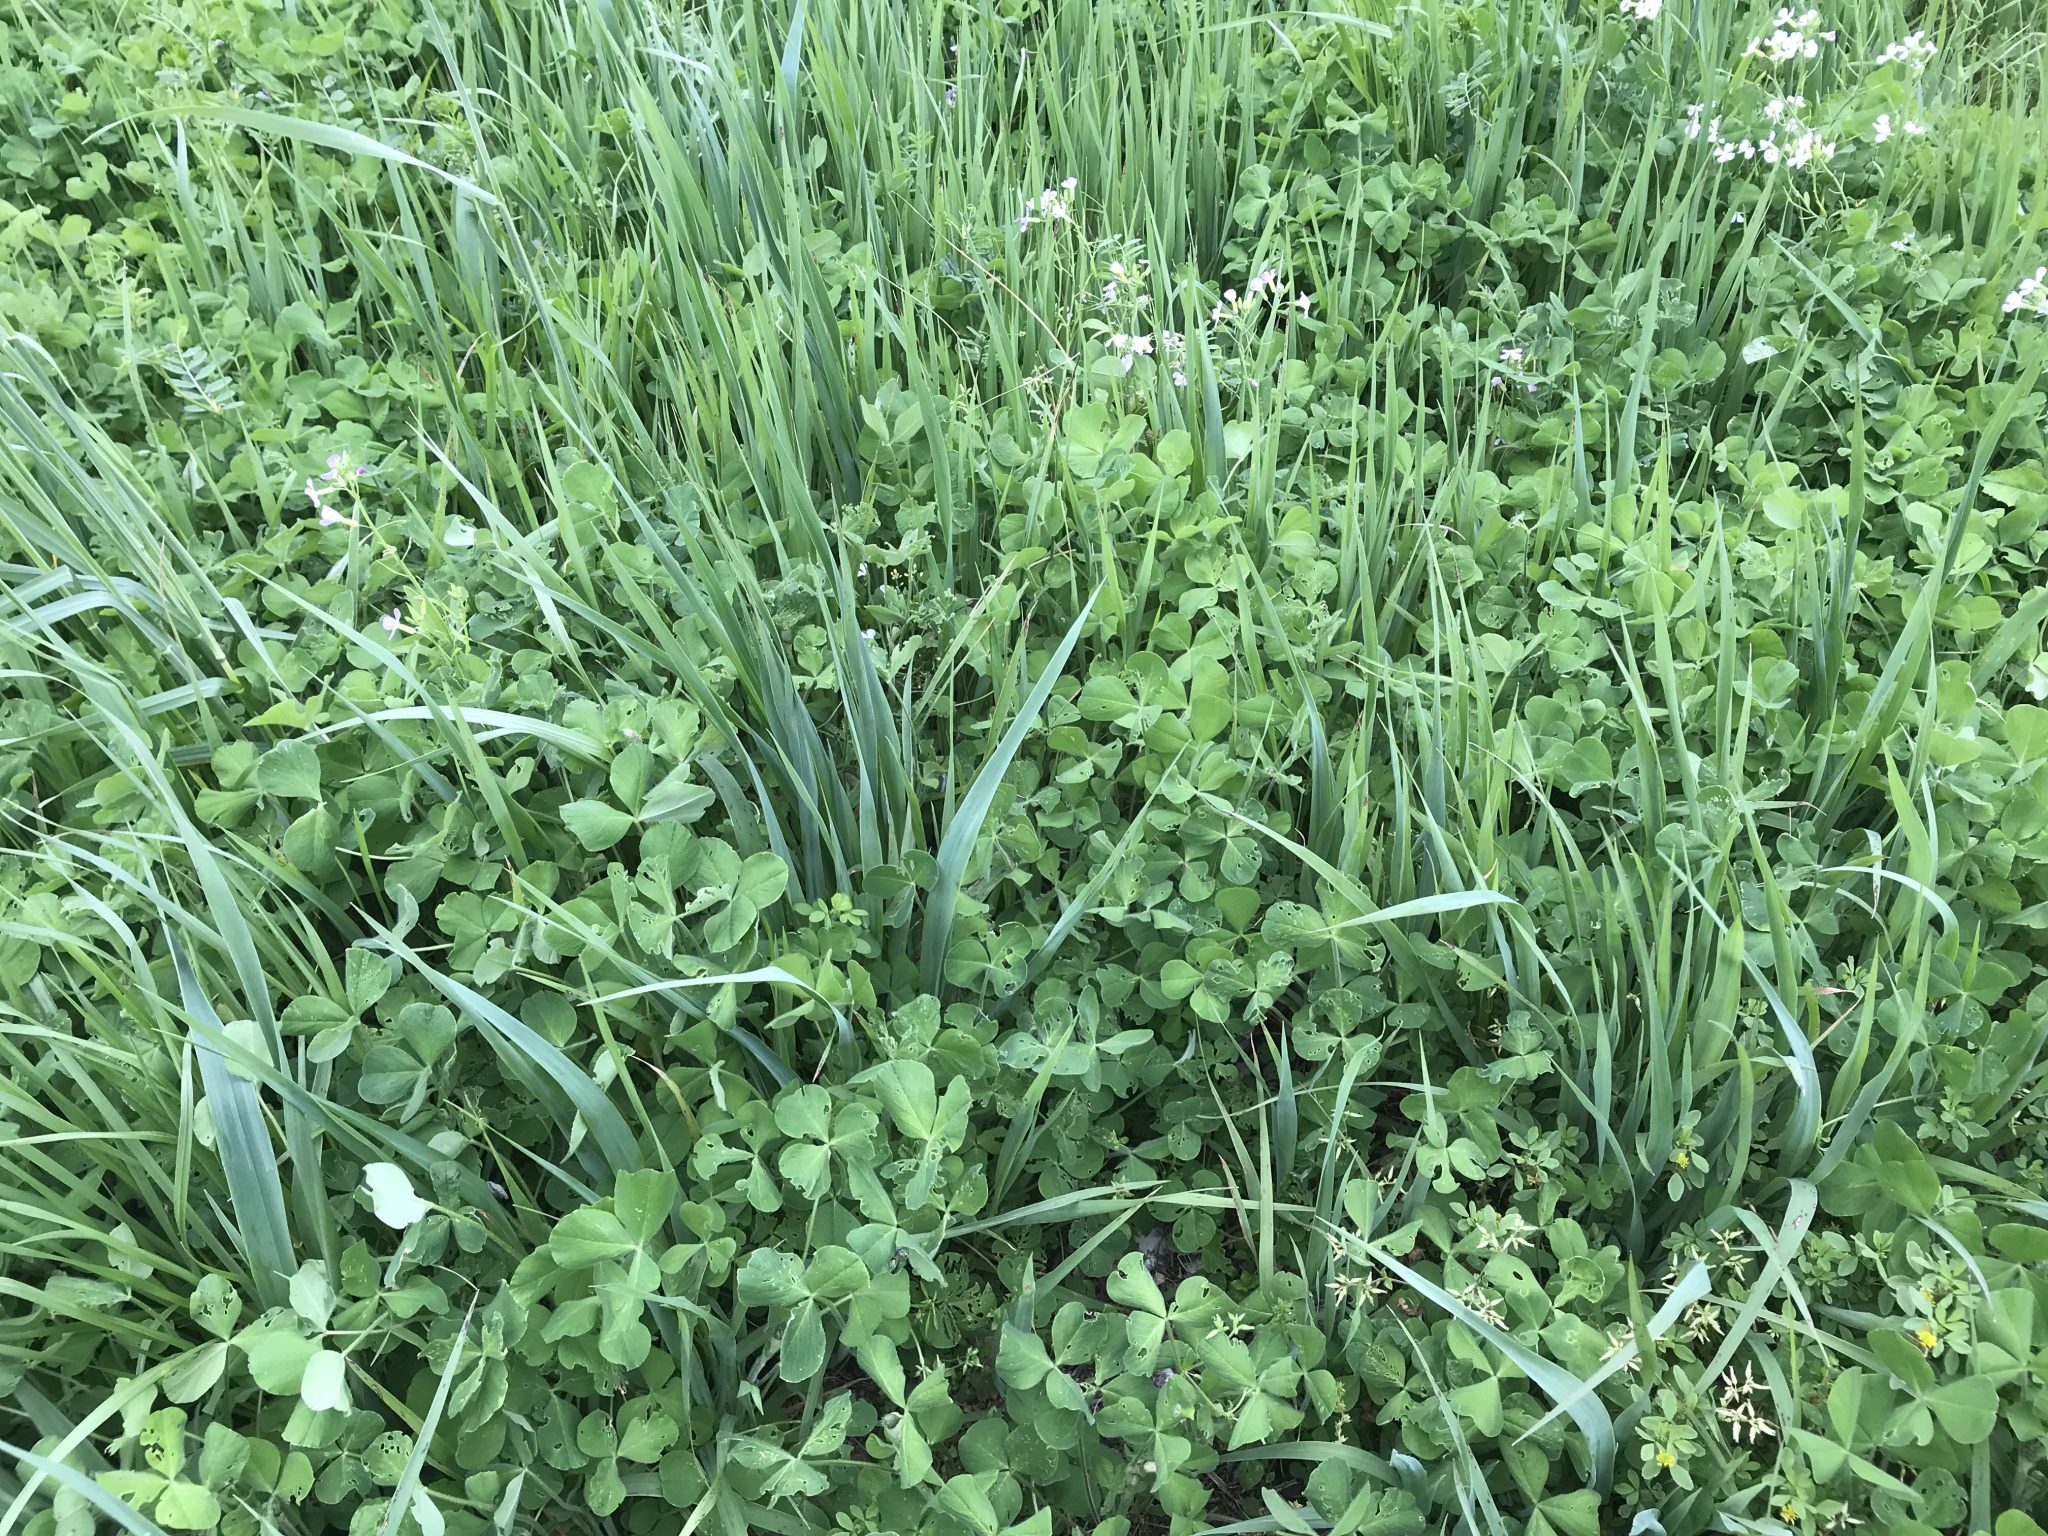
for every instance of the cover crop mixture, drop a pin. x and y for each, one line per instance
(1063, 766)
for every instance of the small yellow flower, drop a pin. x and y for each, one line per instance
(1666, 1459)
(1684, 1159)
(1926, 1337)
(1788, 1512)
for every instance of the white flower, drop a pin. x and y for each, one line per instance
(393, 622)
(1069, 184)
(1230, 295)
(1914, 51)
(1116, 269)
(1109, 293)
(1180, 380)
(2031, 295)
(1882, 128)
(1142, 345)
(1642, 10)
(1905, 242)
(1119, 342)
(1913, 129)
(1511, 355)
(332, 517)
(1301, 302)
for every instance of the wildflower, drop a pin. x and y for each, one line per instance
(2031, 295)
(1642, 10)
(1666, 1459)
(1116, 269)
(1119, 342)
(1230, 295)
(1913, 50)
(332, 517)
(1511, 355)
(1109, 293)
(1301, 302)
(1737, 1409)
(1926, 1338)
(1180, 380)
(1793, 37)
(1488, 1309)
(1069, 184)
(394, 622)
(1142, 345)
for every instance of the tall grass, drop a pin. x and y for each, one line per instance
(671, 295)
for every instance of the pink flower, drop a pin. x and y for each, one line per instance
(393, 622)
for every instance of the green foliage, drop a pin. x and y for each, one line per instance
(1056, 768)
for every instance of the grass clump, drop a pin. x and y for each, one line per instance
(1102, 768)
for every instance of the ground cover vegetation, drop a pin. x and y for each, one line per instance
(1017, 768)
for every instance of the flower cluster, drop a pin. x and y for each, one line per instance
(1265, 285)
(338, 479)
(1049, 206)
(1788, 141)
(2031, 296)
(1119, 273)
(1484, 1304)
(1885, 127)
(1737, 1410)
(1914, 51)
(1511, 360)
(1792, 38)
(1171, 346)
